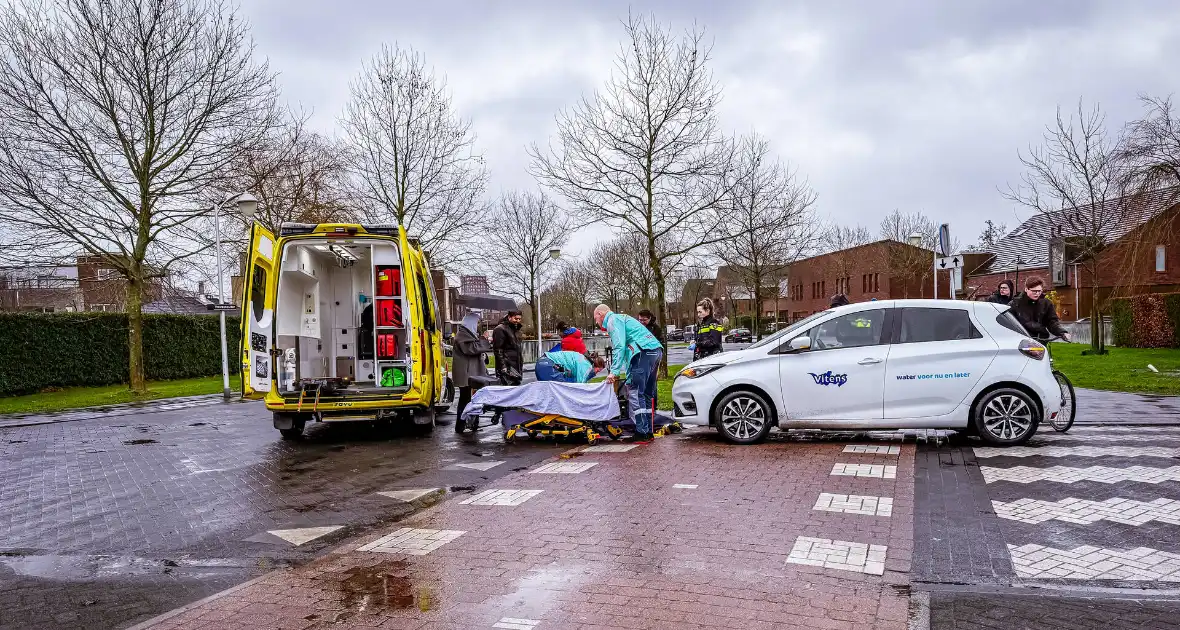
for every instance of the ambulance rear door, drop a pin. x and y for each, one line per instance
(258, 314)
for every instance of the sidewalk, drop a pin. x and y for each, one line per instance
(618, 545)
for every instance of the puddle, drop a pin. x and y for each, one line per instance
(383, 586)
(198, 424)
(140, 441)
(17, 441)
(460, 488)
(482, 453)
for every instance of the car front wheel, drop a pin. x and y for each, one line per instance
(1005, 417)
(743, 417)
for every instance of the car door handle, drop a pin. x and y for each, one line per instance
(868, 361)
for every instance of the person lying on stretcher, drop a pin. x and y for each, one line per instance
(568, 367)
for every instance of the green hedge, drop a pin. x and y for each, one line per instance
(1147, 321)
(39, 351)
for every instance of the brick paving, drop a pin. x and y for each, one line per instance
(615, 546)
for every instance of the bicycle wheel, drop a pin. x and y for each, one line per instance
(1069, 408)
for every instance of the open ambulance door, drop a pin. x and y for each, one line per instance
(435, 334)
(421, 322)
(258, 314)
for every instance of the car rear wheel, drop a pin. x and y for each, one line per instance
(743, 417)
(1005, 417)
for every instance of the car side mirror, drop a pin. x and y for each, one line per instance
(799, 344)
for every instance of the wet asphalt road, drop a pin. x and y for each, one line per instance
(108, 521)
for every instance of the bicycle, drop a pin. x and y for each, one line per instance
(1063, 420)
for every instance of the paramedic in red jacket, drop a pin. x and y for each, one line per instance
(571, 339)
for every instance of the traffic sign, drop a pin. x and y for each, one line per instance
(949, 262)
(223, 307)
(944, 239)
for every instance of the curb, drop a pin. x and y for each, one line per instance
(143, 625)
(105, 411)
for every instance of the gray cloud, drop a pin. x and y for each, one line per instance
(912, 105)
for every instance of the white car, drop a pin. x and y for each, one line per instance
(933, 364)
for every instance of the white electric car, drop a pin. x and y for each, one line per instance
(900, 364)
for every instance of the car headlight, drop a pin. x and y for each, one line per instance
(698, 371)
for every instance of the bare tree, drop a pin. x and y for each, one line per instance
(645, 154)
(770, 223)
(572, 292)
(914, 266)
(992, 232)
(612, 283)
(526, 226)
(1069, 179)
(840, 243)
(412, 156)
(119, 115)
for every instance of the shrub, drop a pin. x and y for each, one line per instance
(1122, 322)
(1152, 327)
(40, 351)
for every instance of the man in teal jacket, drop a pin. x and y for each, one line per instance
(636, 355)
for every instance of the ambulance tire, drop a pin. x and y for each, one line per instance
(290, 426)
(424, 420)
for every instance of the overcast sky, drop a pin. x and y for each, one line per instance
(882, 105)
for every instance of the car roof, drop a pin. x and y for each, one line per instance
(916, 303)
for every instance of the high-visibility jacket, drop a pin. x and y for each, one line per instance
(708, 338)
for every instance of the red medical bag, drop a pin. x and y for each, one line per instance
(389, 281)
(386, 346)
(389, 313)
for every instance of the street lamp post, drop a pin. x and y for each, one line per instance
(553, 254)
(247, 205)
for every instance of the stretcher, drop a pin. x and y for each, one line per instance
(559, 410)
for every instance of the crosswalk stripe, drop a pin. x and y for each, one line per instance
(1085, 512)
(1071, 474)
(1076, 451)
(1105, 437)
(1094, 563)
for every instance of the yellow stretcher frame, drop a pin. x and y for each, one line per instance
(554, 425)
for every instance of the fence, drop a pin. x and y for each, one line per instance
(1079, 332)
(528, 347)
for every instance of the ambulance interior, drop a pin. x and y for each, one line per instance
(340, 312)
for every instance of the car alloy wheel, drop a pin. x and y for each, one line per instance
(743, 418)
(1008, 417)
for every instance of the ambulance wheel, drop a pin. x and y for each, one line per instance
(291, 434)
(424, 420)
(290, 426)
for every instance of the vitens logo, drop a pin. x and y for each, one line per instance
(827, 378)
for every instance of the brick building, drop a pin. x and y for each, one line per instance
(90, 284)
(883, 270)
(733, 297)
(1140, 253)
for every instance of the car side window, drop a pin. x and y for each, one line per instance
(922, 325)
(854, 330)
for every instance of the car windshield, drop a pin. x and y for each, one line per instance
(776, 337)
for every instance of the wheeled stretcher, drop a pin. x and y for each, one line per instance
(555, 409)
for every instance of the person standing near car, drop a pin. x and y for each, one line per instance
(648, 319)
(708, 338)
(506, 349)
(636, 354)
(1036, 312)
(839, 300)
(1004, 292)
(467, 361)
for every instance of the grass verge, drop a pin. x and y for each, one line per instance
(1122, 370)
(76, 397)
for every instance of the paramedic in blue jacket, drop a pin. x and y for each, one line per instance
(564, 366)
(636, 353)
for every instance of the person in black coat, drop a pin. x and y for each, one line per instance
(839, 300)
(506, 349)
(1036, 312)
(709, 333)
(467, 361)
(1004, 292)
(648, 319)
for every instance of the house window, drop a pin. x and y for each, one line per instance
(1161, 258)
(106, 273)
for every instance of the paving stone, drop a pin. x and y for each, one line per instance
(984, 452)
(838, 554)
(1005, 611)
(1071, 474)
(854, 504)
(610, 448)
(412, 541)
(568, 468)
(865, 470)
(1094, 563)
(873, 449)
(1081, 511)
(501, 497)
(482, 466)
(512, 623)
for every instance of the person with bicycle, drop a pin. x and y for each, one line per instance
(1037, 312)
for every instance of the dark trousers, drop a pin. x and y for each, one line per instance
(464, 399)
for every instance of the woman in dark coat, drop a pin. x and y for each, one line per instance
(1004, 293)
(467, 361)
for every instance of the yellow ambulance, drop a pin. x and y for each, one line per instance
(340, 323)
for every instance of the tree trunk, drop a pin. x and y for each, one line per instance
(1097, 338)
(661, 309)
(757, 321)
(136, 376)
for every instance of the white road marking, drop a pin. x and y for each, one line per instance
(413, 542)
(511, 623)
(873, 449)
(609, 448)
(501, 497)
(864, 470)
(304, 534)
(854, 504)
(408, 496)
(1095, 563)
(478, 465)
(1070, 474)
(1104, 437)
(569, 468)
(839, 554)
(1077, 451)
(685, 486)
(1084, 512)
